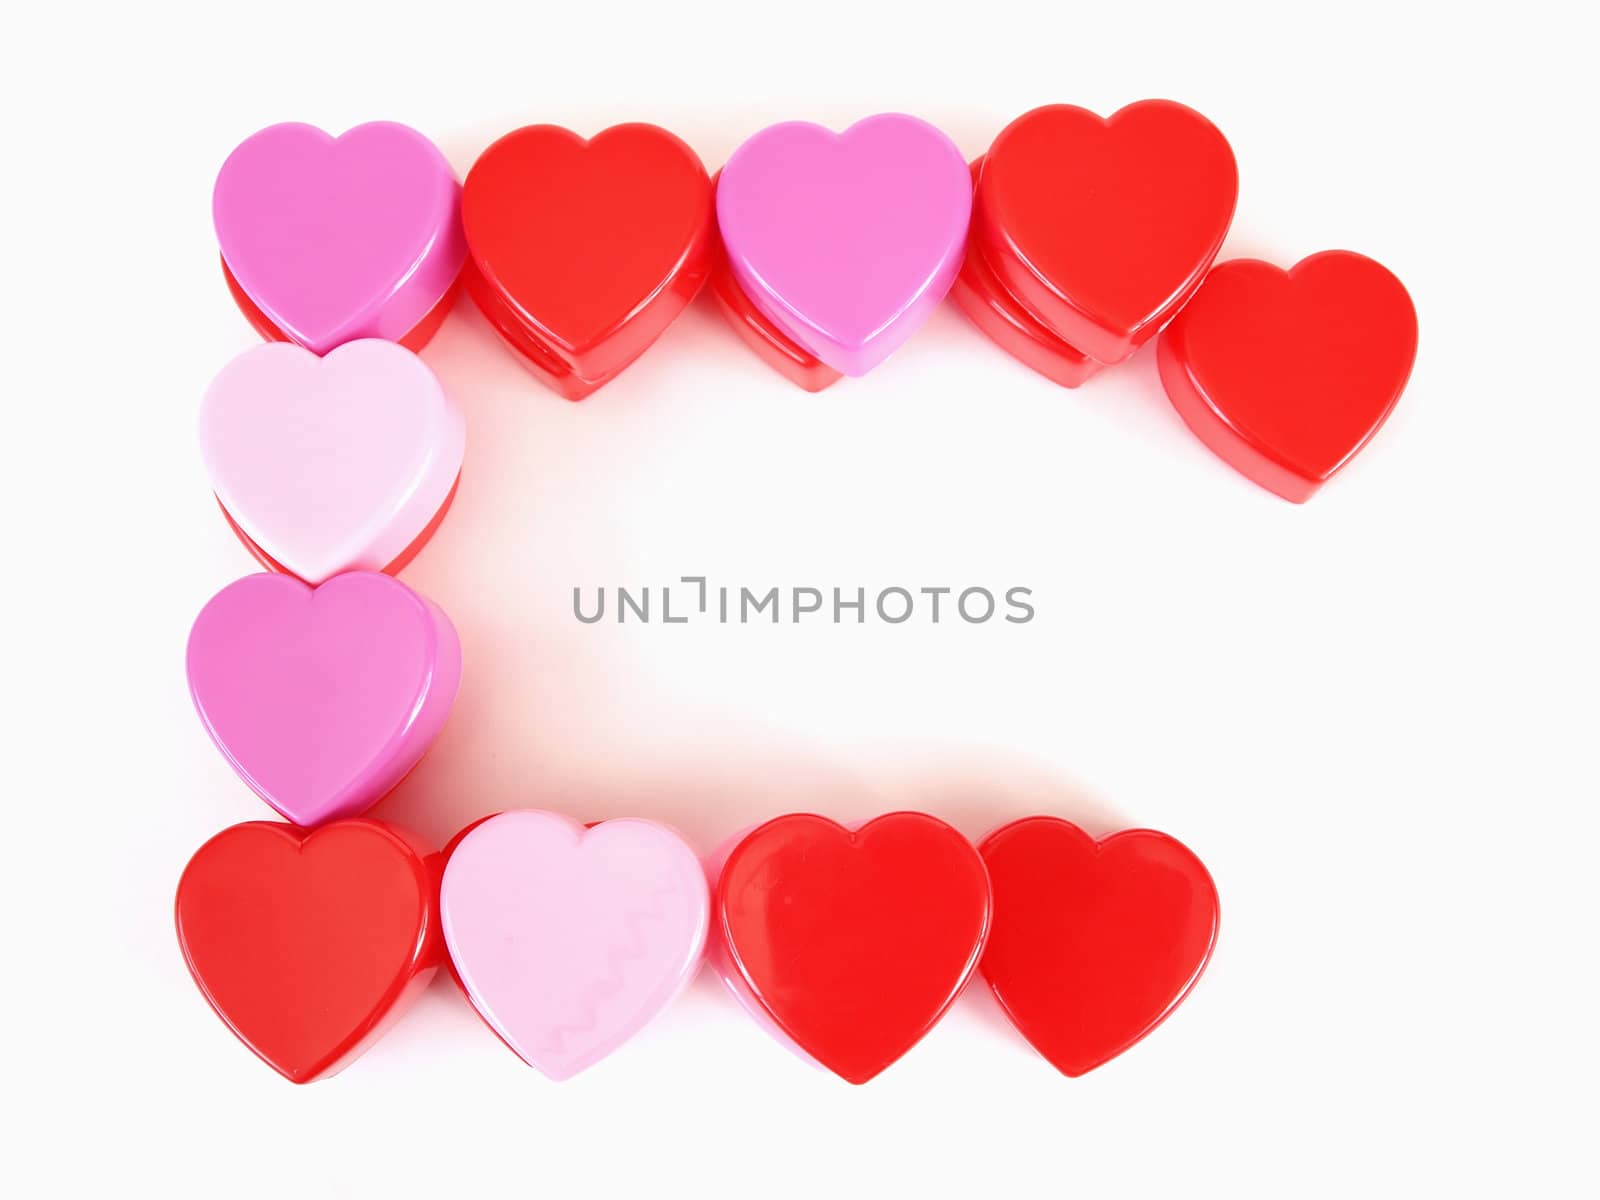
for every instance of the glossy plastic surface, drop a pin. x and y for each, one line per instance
(569, 940)
(1093, 944)
(720, 961)
(414, 339)
(1010, 326)
(333, 239)
(1285, 375)
(779, 351)
(854, 942)
(771, 344)
(331, 464)
(310, 944)
(1102, 227)
(533, 354)
(848, 241)
(588, 250)
(322, 699)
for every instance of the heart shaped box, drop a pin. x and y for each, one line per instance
(310, 944)
(1286, 375)
(569, 939)
(584, 251)
(844, 242)
(1093, 943)
(851, 944)
(322, 699)
(325, 465)
(1089, 233)
(328, 239)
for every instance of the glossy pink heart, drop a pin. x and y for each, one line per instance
(340, 238)
(322, 699)
(331, 464)
(566, 940)
(847, 242)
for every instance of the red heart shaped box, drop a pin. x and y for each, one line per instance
(585, 251)
(1286, 375)
(310, 944)
(1101, 227)
(1093, 943)
(854, 942)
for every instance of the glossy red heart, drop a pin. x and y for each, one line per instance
(1094, 943)
(1285, 375)
(310, 944)
(1102, 227)
(854, 942)
(589, 249)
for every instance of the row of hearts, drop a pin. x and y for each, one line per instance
(846, 943)
(1072, 241)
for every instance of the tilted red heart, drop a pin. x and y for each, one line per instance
(592, 247)
(1285, 375)
(310, 944)
(854, 942)
(1103, 226)
(1093, 943)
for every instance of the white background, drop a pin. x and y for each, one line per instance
(1374, 716)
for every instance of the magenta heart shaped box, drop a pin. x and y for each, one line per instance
(801, 207)
(336, 238)
(322, 699)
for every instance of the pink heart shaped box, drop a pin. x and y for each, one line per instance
(322, 699)
(847, 242)
(569, 940)
(340, 238)
(331, 464)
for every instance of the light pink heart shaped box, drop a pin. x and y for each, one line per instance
(569, 940)
(322, 699)
(847, 242)
(333, 239)
(331, 464)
